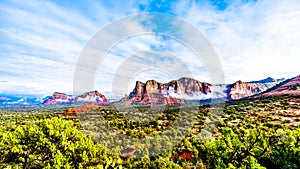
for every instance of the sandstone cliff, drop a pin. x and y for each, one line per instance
(89, 97)
(183, 89)
(241, 89)
(153, 92)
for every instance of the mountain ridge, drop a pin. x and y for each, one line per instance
(186, 88)
(87, 97)
(176, 91)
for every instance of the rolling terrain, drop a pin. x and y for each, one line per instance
(252, 132)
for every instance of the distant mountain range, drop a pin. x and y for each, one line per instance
(178, 91)
(12, 99)
(56, 98)
(185, 89)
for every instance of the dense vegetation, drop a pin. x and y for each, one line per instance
(249, 133)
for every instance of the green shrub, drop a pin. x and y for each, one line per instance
(52, 143)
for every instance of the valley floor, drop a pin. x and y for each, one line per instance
(247, 133)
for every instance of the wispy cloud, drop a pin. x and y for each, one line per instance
(254, 39)
(42, 40)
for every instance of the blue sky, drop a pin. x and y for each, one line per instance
(42, 40)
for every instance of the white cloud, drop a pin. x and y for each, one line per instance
(253, 40)
(41, 41)
(168, 55)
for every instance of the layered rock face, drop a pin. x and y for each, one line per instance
(154, 92)
(59, 98)
(92, 97)
(190, 86)
(241, 89)
(176, 91)
(89, 97)
(57, 95)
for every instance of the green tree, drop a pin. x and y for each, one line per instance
(286, 153)
(52, 143)
(240, 149)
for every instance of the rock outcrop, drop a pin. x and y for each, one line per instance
(59, 98)
(89, 97)
(153, 92)
(241, 89)
(92, 97)
(190, 86)
(83, 109)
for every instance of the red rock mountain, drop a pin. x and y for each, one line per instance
(183, 89)
(92, 97)
(179, 91)
(88, 97)
(153, 92)
(241, 89)
(289, 87)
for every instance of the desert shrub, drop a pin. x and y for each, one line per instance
(147, 163)
(286, 152)
(266, 101)
(52, 143)
(236, 149)
(254, 148)
(229, 110)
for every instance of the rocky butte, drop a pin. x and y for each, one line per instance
(88, 97)
(153, 92)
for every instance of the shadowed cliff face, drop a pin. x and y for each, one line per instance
(88, 97)
(189, 86)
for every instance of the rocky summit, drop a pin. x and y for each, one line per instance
(88, 97)
(153, 92)
(183, 89)
(178, 91)
(241, 89)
